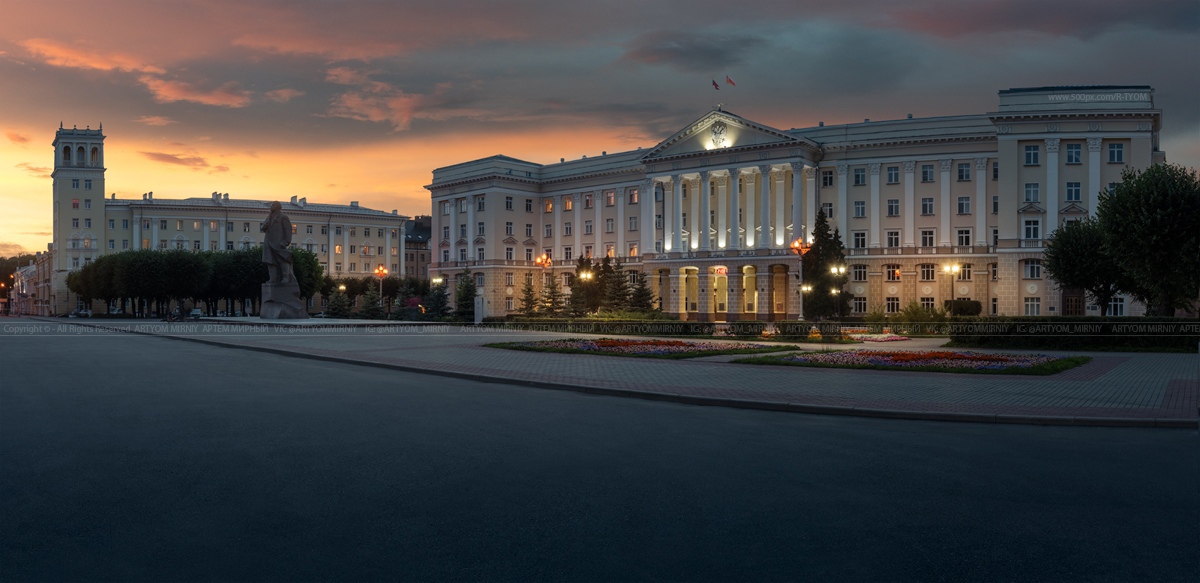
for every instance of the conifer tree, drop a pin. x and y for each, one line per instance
(371, 310)
(529, 298)
(616, 289)
(827, 251)
(641, 298)
(553, 303)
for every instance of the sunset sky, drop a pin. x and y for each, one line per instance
(341, 101)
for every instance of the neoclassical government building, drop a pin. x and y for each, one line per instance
(349, 240)
(929, 209)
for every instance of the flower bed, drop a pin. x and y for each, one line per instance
(642, 348)
(928, 361)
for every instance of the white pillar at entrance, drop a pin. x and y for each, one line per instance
(735, 210)
(842, 197)
(748, 188)
(621, 226)
(797, 202)
(910, 212)
(472, 231)
(1094, 185)
(702, 223)
(780, 210)
(981, 235)
(694, 224)
(810, 203)
(677, 212)
(646, 226)
(722, 213)
(733, 286)
(874, 205)
(763, 240)
(1051, 187)
(945, 209)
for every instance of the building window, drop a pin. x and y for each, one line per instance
(74, 183)
(609, 251)
(995, 236)
(995, 205)
(633, 196)
(1031, 155)
(891, 272)
(587, 200)
(964, 172)
(826, 178)
(1073, 191)
(529, 205)
(859, 304)
(964, 237)
(1033, 306)
(658, 222)
(608, 225)
(893, 305)
(354, 249)
(893, 238)
(610, 198)
(528, 254)
(860, 176)
(508, 278)
(587, 227)
(549, 228)
(587, 251)
(926, 206)
(825, 206)
(893, 175)
(860, 240)
(927, 173)
(995, 270)
(479, 254)
(528, 229)
(928, 271)
(927, 238)
(74, 223)
(508, 228)
(568, 253)
(964, 272)
(548, 205)
(860, 209)
(1116, 153)
(1033, 229)
(1033, 269)
(995, 171)
(633, 250)
(336, 230)
(462, 206)
(462, 231)
(479, 203)
(508, 206)
(858, 272)
(445, 233)
(1116, 307)
(568, 203)
(633, 220)
(964, 205)
(462, 256)
(1031, 191)
(567, 228)
(87, 223)
(1074, 153)
(112, 243)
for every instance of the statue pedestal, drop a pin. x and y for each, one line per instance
(281, 301)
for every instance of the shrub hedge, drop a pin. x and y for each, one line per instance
(1076, 333)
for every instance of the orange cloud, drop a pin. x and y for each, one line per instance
(8, 249)
(283, 95)
(16, 138)
(227, 95)
(377, 102)
(193, 162)
(60, 55)
(155, 120)
(35, 171)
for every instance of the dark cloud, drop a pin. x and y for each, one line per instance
(9, 249)
(1074, 18)
(691, 52)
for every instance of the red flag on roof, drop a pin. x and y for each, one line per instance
(730, 81)
(715, 86)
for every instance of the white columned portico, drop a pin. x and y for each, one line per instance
(1051, 187)
(693, 240)
(453, 231)
(472, 231)
(722, 212)
(874, 204)
(780, 221)
(577, 224)
(910, 212)
(981, 235)
(797, 201)
(735, 210)
(1094, 175)
(763, 240)
(702, 223)
(945, 209)
(843, 195)
(557, 201)
(598, 224)
(677, 213)
(749, 240)
(619, 201)
(646, 202)
(810, 203)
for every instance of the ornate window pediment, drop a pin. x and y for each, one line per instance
(1031, 208)
(531, 242)
(1073, 209)
(510, 241)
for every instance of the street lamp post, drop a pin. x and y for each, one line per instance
(381, 272)
(799, 247)
(543, 261)
(950, 271)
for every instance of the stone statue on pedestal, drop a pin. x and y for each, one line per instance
(281, 294)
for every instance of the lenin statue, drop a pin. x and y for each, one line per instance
(281, 294)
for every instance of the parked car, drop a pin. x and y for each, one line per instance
(195, 314)
(319, 315)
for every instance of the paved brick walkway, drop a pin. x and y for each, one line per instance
(1114, 389)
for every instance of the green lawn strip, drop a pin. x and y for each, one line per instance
(673, 356)
(1049, 368)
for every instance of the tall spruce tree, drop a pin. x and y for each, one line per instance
(529, 298)
(553, 299)
(464, 296)
(826, 252)
(641, 298)
(616, 289)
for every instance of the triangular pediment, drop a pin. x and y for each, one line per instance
(480, 241)
(460, 242)
(1073, 209)
(721, 131)
(444, 243)
(531, 242)
(510, 241)
(1031, 208)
